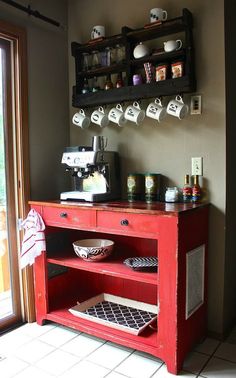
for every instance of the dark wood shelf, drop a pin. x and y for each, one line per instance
(129, 38)
(166, 28)
(155, 58)
(114, 40)
(130, 93)
(111, 267)
(102, 71)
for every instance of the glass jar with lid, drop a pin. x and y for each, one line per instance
(95, 59)
(120, 54)
(86, 57)
(172, 194)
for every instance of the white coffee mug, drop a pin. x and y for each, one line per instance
(117, 116)
(158, 14)
(98, 32)
(80, 119)
(177, 107)
(99, 117)
(156, 110)
(134, 114)
(173, 45)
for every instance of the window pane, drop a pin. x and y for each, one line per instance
(5, 282)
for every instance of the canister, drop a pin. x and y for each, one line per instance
(177, 69)
(135, 186)
(161, 71)
(152, 187)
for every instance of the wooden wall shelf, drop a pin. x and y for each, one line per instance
(129, 39)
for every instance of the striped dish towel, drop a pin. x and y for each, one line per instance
(33, 243)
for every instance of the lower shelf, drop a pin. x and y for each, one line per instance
(146, 342)
(168, 87)
(117, 312)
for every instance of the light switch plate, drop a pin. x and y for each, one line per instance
(197, 166)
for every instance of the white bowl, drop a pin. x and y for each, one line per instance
(93, 249)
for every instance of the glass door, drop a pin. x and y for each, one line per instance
(10, 306)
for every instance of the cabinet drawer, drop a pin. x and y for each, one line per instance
(71, 218)
(127, 222)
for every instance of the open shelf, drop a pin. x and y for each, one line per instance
(102, 71)
(173, 26)
(136, 92)
(158, 57)
(146, 341)
(111, 267)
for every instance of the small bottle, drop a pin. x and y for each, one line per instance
(96, 87)
(85, 88)
(196, 190)
(108, 83)
(187, 190)
(119, 81)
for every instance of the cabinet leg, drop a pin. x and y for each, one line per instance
(41, 321)
(174, 367)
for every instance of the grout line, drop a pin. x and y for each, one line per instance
(208, 360)
(121, 363)
(163, 363)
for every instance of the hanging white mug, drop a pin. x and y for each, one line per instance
(80, 119)
(99, 117)
(177, 107)
(156, 110)
(134, 114)
(117, 116)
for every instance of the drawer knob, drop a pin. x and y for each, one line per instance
(63, 215)
(124, 222)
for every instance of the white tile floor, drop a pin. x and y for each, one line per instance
(32, 351)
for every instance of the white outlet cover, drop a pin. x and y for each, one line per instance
(196, 104)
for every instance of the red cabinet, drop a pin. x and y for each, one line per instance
(177, 234)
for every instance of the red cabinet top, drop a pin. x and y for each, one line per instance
(156, 208)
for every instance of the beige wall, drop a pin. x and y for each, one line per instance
(48, 93)
(168, 147)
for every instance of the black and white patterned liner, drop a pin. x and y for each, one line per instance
(116, 314)
(142, 263)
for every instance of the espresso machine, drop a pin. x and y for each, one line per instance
(95, 172)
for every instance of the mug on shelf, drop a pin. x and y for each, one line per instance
(156, 110)
(98, 32)
(177, 107)
(134, 113)
(117, 116)
(81, 120)
(158, 14)
(99, 117)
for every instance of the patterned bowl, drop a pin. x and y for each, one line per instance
(93, 249)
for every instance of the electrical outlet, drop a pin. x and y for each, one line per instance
(196, 104)
(197, 166)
